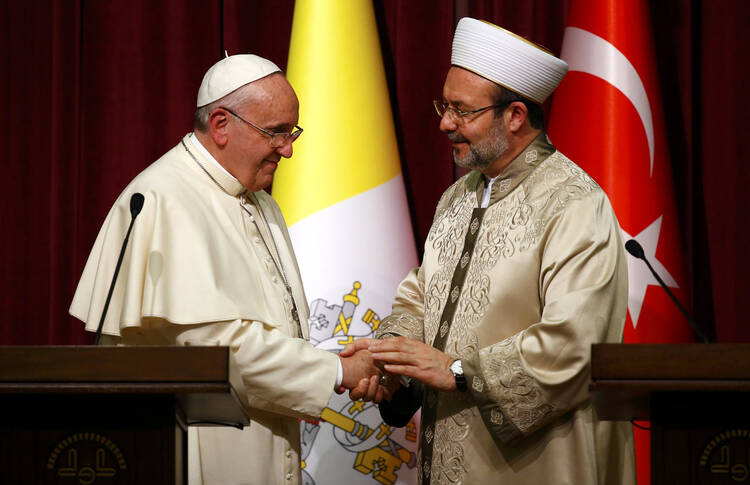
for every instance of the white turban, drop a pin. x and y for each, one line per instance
(506, 59)
(232, 73)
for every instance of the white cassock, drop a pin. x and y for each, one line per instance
(207, 264)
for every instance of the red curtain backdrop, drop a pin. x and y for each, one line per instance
(95, 91)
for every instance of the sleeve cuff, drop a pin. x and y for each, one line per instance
(339, 373)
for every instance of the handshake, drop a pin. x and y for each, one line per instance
(372, 368)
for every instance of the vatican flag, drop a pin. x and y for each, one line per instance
(343, 197)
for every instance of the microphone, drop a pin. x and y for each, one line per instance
(136, 204)
(636, 250)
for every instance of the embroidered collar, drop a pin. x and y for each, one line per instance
(516, 172)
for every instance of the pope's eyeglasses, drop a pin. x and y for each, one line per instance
(458, 115)
(276, 140)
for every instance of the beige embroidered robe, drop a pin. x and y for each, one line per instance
(522, 289)
(199, 271)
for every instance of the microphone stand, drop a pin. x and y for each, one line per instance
(636, 250)
(136, 204)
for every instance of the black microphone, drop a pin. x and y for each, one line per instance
(136, 204)
(636, 250)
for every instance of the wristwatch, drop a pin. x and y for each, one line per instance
(458, 373)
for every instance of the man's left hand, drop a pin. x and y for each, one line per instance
(415, 359)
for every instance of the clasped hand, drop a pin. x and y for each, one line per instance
(392, 358)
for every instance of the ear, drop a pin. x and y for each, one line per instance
(518, 115)
(218, 126)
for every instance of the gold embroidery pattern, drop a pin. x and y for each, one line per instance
(465, 260)
(428, 434)
(496, 417)
(477, 384)
(516, 222)
(454, 294)
(473, 302)
(474, 226)
(435, 297)
(494, 242)
(449, 465)
(449, 227)
(447, 243)
(497, 236)
(443, 329)
(449, 461)
(446, 237)
(404, 324)
(560, 182)
(462, 344)
(509, 384)
(451, 203)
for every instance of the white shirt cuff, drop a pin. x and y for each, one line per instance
(339, 374)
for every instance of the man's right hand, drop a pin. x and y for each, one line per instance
(357, 367)
(368, 388)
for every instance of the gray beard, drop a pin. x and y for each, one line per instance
(481, 155)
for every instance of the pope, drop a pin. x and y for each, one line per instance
(210, 262)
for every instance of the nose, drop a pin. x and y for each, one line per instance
(285, 150)
(447, 123)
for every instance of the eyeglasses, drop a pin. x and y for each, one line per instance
(276, 139)
(458, 115)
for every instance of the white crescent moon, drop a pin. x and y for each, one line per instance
(589, 53)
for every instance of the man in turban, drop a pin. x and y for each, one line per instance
(210, 263)
(523, 270)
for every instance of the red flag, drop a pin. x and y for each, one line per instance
(607, 117)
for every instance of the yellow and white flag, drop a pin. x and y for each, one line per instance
(343, 197)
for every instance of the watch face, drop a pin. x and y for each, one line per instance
(458, 374)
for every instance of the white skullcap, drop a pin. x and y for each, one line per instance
(232, 73)
(506, 59)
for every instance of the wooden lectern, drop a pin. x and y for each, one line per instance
(101, 415)
(697, 397)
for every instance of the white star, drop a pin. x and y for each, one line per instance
(639, 276)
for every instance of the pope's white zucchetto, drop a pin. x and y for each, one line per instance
(232, 73)
(506, 59)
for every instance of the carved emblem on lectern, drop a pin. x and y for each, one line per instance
(726, 457)
(86, 456)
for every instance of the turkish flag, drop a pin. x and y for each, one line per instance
(606, 116)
